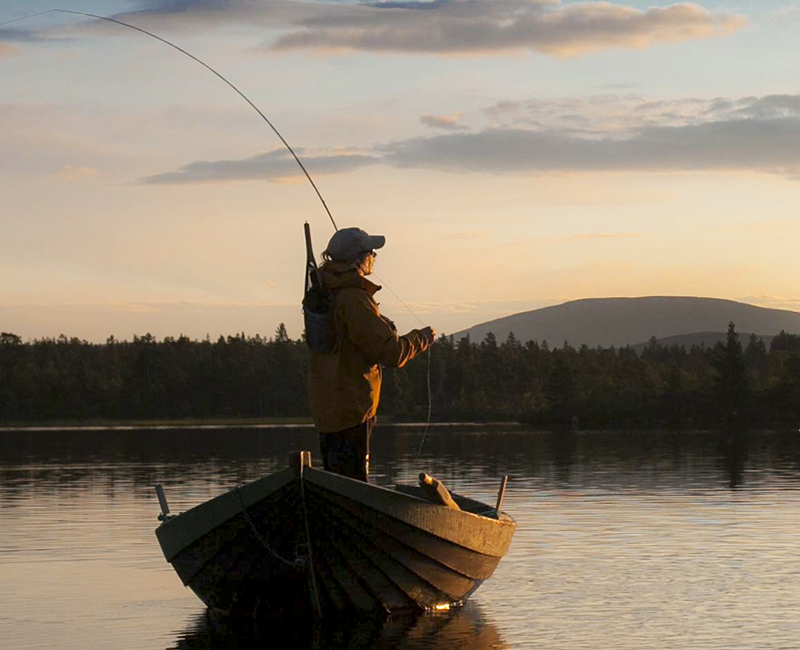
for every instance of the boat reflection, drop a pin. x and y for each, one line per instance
(463, 627)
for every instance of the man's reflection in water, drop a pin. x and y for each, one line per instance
(462, 627)
(734, 445)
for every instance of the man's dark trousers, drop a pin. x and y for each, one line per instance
(347, 452)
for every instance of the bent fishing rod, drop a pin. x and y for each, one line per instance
(207, 67)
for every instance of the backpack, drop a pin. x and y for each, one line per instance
(317, 305)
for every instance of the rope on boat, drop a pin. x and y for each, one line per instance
(294, 564)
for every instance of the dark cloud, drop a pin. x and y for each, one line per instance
(601, 115)
(493, 26)
(745, 134)
(746, 144)
(275, 165)
(449, 26)
(11, 38)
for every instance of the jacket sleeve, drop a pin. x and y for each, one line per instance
(375, 337)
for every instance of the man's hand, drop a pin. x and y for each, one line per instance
(430, 335)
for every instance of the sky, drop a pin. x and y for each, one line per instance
(515, 153)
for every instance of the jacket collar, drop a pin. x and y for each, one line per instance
(336, 275)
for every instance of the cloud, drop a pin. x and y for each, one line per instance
(28, 29)
(446, 122)
(7, 49)
(76, 173)
(740, 134)
(621, 114)
(275, 165)
(451, 26)
(744, 144)
(502, 26)
(788, 13)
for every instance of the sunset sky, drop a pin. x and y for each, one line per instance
(515, 153)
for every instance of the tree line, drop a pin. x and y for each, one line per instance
(265, 377)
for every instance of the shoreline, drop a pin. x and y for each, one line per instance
(223, 423)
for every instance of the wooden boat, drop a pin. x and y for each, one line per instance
(305, 541)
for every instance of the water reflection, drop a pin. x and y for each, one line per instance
(625, 539)
(464, 628)
(734, 447)
(565, 458)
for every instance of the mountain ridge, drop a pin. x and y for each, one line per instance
(617, 321)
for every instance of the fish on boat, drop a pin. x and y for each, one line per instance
(304, 541)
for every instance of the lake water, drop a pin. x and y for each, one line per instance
(624, 539)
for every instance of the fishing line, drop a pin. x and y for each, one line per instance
(263, 117)
(430, 399)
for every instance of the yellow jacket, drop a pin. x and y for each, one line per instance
(345, 385)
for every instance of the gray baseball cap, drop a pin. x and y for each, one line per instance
(348, 243)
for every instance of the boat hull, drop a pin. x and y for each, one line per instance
(311, 542)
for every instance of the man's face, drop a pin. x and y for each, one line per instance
(367, 262)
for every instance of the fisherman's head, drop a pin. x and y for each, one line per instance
(354, 246)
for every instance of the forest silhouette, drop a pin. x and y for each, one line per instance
(71, 380)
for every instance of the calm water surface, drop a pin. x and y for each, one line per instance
(624, 540)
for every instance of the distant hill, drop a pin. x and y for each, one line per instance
(629, 321)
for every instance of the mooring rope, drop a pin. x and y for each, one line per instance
(295, 564)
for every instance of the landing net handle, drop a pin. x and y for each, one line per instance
(311, 263)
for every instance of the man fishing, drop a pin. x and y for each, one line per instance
(345, 384)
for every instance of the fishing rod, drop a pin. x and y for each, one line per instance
(207, 67)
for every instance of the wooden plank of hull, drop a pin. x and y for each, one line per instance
(219, 573)
(382, 589)
(340, 570)
(245, 574)
(177, 533)
(332, 594)
(465, 561)
(213, 583)
(481, 534)
(256, 577)
(421, 593)
(276, 512)
(195, 556)
(450, 583)
(415, 589)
